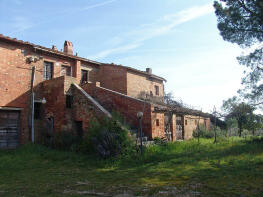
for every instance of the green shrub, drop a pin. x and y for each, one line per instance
(203, 133)
(108, 139)
(160, 141)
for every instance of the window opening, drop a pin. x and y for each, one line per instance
(157, 122)
(48, 70)
(69, 100)
(84, 76)
(156, 90)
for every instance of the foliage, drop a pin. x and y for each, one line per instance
(66, 140)
(108, 139)
(160, 141)
(240, 111)
(203, 133)
(241, 22)
(254, 123)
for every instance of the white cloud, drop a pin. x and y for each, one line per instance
(120, 49)
(162, 26)
(98, 4)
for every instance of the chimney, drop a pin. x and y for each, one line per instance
(68, 47)
(149, 70)
(54, 48)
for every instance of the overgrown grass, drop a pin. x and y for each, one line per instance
(232, 167)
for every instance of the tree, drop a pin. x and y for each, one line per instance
(241, 22)
(254, 123)
(240, 111)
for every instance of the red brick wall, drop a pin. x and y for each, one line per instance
(55, 92)
(128, 108)
(157, 131)
(15, 76)
(131, 83)
(15, 80)
(137, 83)
(113, 78)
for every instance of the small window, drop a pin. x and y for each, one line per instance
(151, 94)
(69, 99)
(84, 76)
(65, 70)
(156, 90)
(195, 122)
(185, 122)
(48, 70)
(37, 111)
(157, 122)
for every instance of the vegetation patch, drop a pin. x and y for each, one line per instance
(232, 167)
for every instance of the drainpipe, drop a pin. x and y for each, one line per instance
(32, 103)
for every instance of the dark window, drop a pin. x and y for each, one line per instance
(156, 90)
(84, 76)
(185, 122)
(79, 128)
(69, 99)
(157, 122)
(65, 70)
(48, 70)
(151, 94)
(37, 111)
(195, 122)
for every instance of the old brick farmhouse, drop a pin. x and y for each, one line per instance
(63, 91)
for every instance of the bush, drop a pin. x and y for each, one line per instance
(160, 141)
(108, 139)
(203, 133)
(66, 140)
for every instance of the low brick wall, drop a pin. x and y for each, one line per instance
(127, 107)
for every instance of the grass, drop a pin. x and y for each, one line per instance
(231, 167)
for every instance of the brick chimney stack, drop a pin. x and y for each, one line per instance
(149, 70)
(54, 48)
(68, 47)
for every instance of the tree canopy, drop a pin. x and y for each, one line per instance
(243, 113)
(241, 22)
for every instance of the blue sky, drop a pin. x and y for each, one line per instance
(178, 39)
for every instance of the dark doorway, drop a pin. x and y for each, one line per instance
(79, 128)
(179, 128)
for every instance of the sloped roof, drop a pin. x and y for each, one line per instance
(38, 47)
(60, 53)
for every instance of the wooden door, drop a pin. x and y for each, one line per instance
(9, 129)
